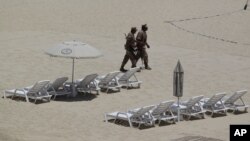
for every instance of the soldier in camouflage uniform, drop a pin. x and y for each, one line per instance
(130, 47)
(141, 40)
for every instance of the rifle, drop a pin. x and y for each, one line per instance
(245, 7)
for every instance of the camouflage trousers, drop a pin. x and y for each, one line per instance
(144, 56)
(129, 56)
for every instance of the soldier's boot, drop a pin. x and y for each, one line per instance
(122, 67)
(147, 67)
(124, 62)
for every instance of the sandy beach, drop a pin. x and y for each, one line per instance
(210, 38)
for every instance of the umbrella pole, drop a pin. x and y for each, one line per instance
(73, 84)
(178, 110)
(73, 70)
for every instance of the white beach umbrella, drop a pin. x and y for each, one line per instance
(74, 50)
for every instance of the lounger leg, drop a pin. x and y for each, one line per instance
(4, 95)
(245, 109)
(139, 125)
(12, 96)
(212, 115)
(54, 97)
(174, 120)
(27, 99)
(153, 123)
(203, 116)
(107, 90)
(105, 117)
(130, 124)
(212, 112)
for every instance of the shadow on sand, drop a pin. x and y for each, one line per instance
(135, 125)
(196, 138)
(79, 97)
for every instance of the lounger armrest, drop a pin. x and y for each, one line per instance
(23, 90)
(68, 85)
(28, 87)
(204, 100)
(122, 113)
(132, 111)
(183, 102)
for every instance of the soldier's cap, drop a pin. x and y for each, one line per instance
(134, 28)
(144, 25)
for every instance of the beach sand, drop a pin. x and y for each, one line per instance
(29, 27)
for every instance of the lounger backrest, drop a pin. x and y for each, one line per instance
(87, 80)
(126, 76)
(142, 111)
(59, 82)
(108, 78)
(235, 97)
(215, 98)
(191, 102)
(162, 107)
(38, 87)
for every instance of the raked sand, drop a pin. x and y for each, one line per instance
(28, 27)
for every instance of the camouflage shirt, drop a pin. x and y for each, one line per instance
(130, 42)
(141, 39)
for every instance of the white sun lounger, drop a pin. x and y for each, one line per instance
(215, 104)
(163, 112)
(57, 88)
(231, 102)
(37, 92)
(110, 82)
(139, 116)
(88, 84)
(193, 108)
(128, 79)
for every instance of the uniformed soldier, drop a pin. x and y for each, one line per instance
(130, 47)
(141, 40)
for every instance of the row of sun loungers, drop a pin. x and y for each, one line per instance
(220, 103)
(194, 107)
(147, 115)
(112, 82)
(44, 90)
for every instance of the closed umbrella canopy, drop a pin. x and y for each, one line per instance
(178, 80)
